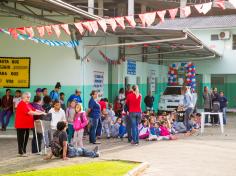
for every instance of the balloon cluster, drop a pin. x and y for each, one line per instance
(191, 75)
(173, 75)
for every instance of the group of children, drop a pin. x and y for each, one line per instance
(166, 126)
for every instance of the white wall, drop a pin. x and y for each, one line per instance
(225, 65)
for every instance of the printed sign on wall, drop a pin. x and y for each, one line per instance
(15, 72)
(99, 82)
(152, 79)
(131, 67)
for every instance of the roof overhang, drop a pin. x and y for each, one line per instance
(161, 45)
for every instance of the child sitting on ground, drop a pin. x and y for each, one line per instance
(143, 129)
(165, 132)
(111, 113)
(118, 129)
(154, 130)
(80, 122)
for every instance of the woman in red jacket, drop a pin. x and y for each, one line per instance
(133, 102)
(24, 121)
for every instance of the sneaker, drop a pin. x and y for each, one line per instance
(98, 154)
(24, 155)
(95, 149)
(97, 143)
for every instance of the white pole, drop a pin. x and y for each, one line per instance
(91, 7)
(130, 7)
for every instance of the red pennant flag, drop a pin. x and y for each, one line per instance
(173, 13)
(120, 21)
(130, 20)
(220, 4)
(143, 19)
(41, 31)
(65, 27)
(161, 15)
(79, 27)
(103, 25)
(203, 8)
(49, 30)
(30, 31)
(13, 33)
(21, 30)
(87, 26)
(57, 30)
(185, 11)
(150, 18)
(112, 23)
(94, 26)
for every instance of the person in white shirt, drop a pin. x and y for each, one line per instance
(58, 114)
(17, 99)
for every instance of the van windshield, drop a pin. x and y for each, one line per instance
(172, 91)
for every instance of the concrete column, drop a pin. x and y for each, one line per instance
(91, 6)
(206, 80)
(183, 3)
(130, 7)
(100, 7)
(143, 8)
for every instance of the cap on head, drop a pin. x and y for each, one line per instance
(38, 90)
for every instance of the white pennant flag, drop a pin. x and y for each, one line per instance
(103, 24)
(233, 3)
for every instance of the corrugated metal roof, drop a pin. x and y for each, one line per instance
(226, 21)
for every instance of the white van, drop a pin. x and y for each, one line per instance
(172, 98)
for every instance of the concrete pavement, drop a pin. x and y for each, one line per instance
(212, 154)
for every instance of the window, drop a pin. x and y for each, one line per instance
(234, 42)
(173, 91)
(214, 37)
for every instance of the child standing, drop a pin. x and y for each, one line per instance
(80, 122)
(62, 101)
(70, 114)
(16, 99)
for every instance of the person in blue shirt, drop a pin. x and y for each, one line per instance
(54, 94)
(188, 106)
(94, 112)
(75, 97)
(223, 105)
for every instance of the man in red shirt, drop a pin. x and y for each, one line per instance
(133, 103)
(24, 121)
(103, 104)
(128, 91)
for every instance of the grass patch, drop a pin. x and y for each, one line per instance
(103, 168)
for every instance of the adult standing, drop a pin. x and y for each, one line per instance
(133, 102)
(7, 109)
(128, 90)
(45, 92)
(94, 112)
(121, 97)
(54, 94)
(207, 101)
(215, 97)
(76, 96)
(188, 106)
(149, 100)
(24, 121)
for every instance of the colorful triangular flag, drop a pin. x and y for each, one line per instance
(161, 15)
(65, 27)
(79, 27)
(103, 24)
(120, 21)
(41, 31)
(173, 13)
(131, 21)
(57, 30)
(112, 23)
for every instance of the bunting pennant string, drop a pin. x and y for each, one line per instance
(12, 32)
(111, 61)
(146, 19)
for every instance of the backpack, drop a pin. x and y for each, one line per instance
(78, 122)
(56, 148)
